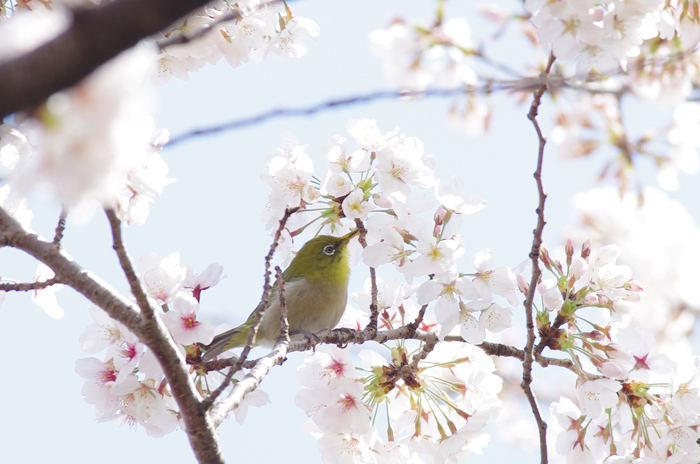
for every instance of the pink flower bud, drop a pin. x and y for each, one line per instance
(569, 248)
(523, 285)
(439, 216)
(586, 250)
(382, 200)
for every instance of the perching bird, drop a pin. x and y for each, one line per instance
(315, 292)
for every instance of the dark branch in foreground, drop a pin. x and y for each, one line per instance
(95, 36)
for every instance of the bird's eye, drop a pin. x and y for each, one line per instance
(329, 250)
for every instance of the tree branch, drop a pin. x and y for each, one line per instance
(200, 431)
(26, 286)
(60, 227)
(536, 272)
(95, 36)
(250, 382)
(127, 266)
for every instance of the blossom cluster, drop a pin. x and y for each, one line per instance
(128, 384)
(642, 48)
(441, 420)
(235, 31)
(639, 402)
(660, 241)
(417, 56)
(385, 184)
(603, 35)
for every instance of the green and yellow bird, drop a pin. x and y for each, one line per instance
(315, 292)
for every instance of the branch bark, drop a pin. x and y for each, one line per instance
(536, 272)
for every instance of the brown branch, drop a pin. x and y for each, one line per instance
(373, 323)
(127, 266)
(284, 321)
(490, 86)
(267, 289)
(419, 318)
(26, 286)
(60, 227)
(283, 339)
(423, 353)
(263, 365)
(536, 272)
(200, 431)
(95, 36)
(239, 362)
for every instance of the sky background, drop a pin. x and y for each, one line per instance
(211, 214)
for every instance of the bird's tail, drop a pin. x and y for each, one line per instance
(225, 341)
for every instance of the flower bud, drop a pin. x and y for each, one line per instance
(569, 248)
(586, 250)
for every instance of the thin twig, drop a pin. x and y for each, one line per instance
(310, 110)
(260, 368)
(403, 332)
(26, 286)
(536, 272)
(284, 320)
(428, 346)
(373, 323)
(267, 288)
(249, 383)
(127, 266)
(525, 84)
(419, 319)
(241, 361)
(60, 227)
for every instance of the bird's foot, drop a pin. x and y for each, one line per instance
(345, 332)
(310, 336)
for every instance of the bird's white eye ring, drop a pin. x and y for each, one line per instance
(329, 250)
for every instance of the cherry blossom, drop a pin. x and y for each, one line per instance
(290, 42)
(402, 164)
(450, 194)
(183, 323)
(162, 278)
(208, 278)
(100, 377)
(355, 206)
(500, 281)
(596, 396)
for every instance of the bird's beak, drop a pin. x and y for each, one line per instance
(346, 238)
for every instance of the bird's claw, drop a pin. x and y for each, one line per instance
(345, 331)
(310, 336)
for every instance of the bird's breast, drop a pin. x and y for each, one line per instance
(314, 307)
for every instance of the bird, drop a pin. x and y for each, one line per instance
(315, 294)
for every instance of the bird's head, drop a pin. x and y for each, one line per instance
(322, 259)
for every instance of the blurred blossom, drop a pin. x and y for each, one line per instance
(660, 242)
